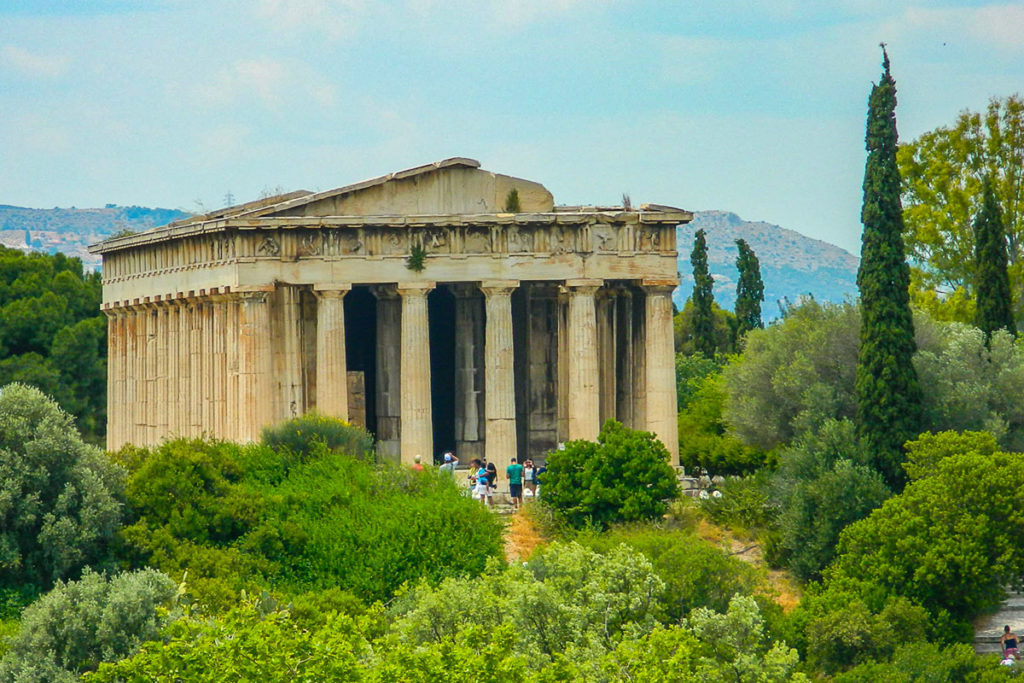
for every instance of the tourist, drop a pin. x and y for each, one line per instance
(530, 475)
(537, 472)
(450, 461)
(1008, 642)
(481, 486)
(515, 484)
(417, 465)
(492, 482)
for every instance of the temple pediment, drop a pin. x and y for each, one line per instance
(453, 186)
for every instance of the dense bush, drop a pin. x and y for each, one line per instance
(233, 516)
(691, 372)
(298, 436)
(623, 476)
(703, 441)
(695, 573)
(79, 624)
(950, 542)
(52, 335)
(60, 498)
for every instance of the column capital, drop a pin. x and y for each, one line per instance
(252, 297)
(415, 289)
(332, 289)
(463, 290)
(498, 287)
(583, 287)
(659, 285)
(384, 291)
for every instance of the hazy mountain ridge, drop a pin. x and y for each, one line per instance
(72, 230)
(792, 265)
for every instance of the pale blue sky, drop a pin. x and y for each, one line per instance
(752, 107)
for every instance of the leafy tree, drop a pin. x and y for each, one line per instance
(991, 281)
(926, 451)
(942, 174)
(821, 485)
(950, 542)
(703, 441)
(702, 325)
(724, 324)
(793, 375)
(60, 498)
(749, 290)
(623, 476)
(691, 372)
(888, 394)
(79, 624)
(920, 661)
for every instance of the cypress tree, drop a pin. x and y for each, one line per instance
(888, 393)
(991, 279)
(749, 290)
(703, 325)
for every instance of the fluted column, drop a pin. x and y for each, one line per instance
(114, 346)
(219, 351)
(624, 367)
(288, 370)
(196, 380)
(184, 370)
(209, 377)
(584, 402)
(417, 418)
(231, 428)
(562, 366)
(254, 365)
(160, 314)
(173, 359)
(639, 359)
(499, 375)
(469, 361)
(127, 412)
(139, 436)
(661, 376)
(388, 360)
(606, 352)
(331, 364)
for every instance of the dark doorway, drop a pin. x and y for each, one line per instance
(441, 312)
(361, 345)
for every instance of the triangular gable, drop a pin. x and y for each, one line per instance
(452, 186)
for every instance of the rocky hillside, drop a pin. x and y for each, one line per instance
(71, 231)
(792, 266)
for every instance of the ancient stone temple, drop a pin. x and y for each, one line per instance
(423, 304)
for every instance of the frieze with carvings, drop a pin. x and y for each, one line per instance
(604, 238)
(478, 241)
(519, 240)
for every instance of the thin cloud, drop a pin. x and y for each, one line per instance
(999, 26)
(334, 18)
(266, 81)
(31, 64)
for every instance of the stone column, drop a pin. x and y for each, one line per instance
(209, 376)
(606, 352)
(184, 370)
(624, 358)
(499, 377)
(231, 428)
(584, 402)
(639, 359)
(219, 351)
(127, 412)
(289, 354)
(417, 418)
(562, 366)
(160, 313)
(469, 355)
(196, 379)
(254, 365)
(141, 437)
(661, 374)
(388, 358)
(331, 364)
(172, 369)
(113, 364)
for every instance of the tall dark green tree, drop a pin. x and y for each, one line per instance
(749, 290)
(702, 327)
(994, 309)
(888, 393)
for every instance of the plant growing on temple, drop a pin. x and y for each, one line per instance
(623, 476)
(702, 329)
(749, 291)
(417, 259)
(512, 201)
(888, 393)
(991, 279)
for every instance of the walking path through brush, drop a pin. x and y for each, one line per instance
(988, 629)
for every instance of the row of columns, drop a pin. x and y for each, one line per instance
(214, 366)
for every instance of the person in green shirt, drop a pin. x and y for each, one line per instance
(515, 483)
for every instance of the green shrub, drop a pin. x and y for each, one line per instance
(60, 499)
(695, 573)
(623, 476)
(298, 435)
(79, 624)
(745, 503)
(703, 441)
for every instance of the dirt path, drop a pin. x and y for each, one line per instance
(521, 537)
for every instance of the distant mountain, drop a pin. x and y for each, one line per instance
(792, 265)
(72, 230)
